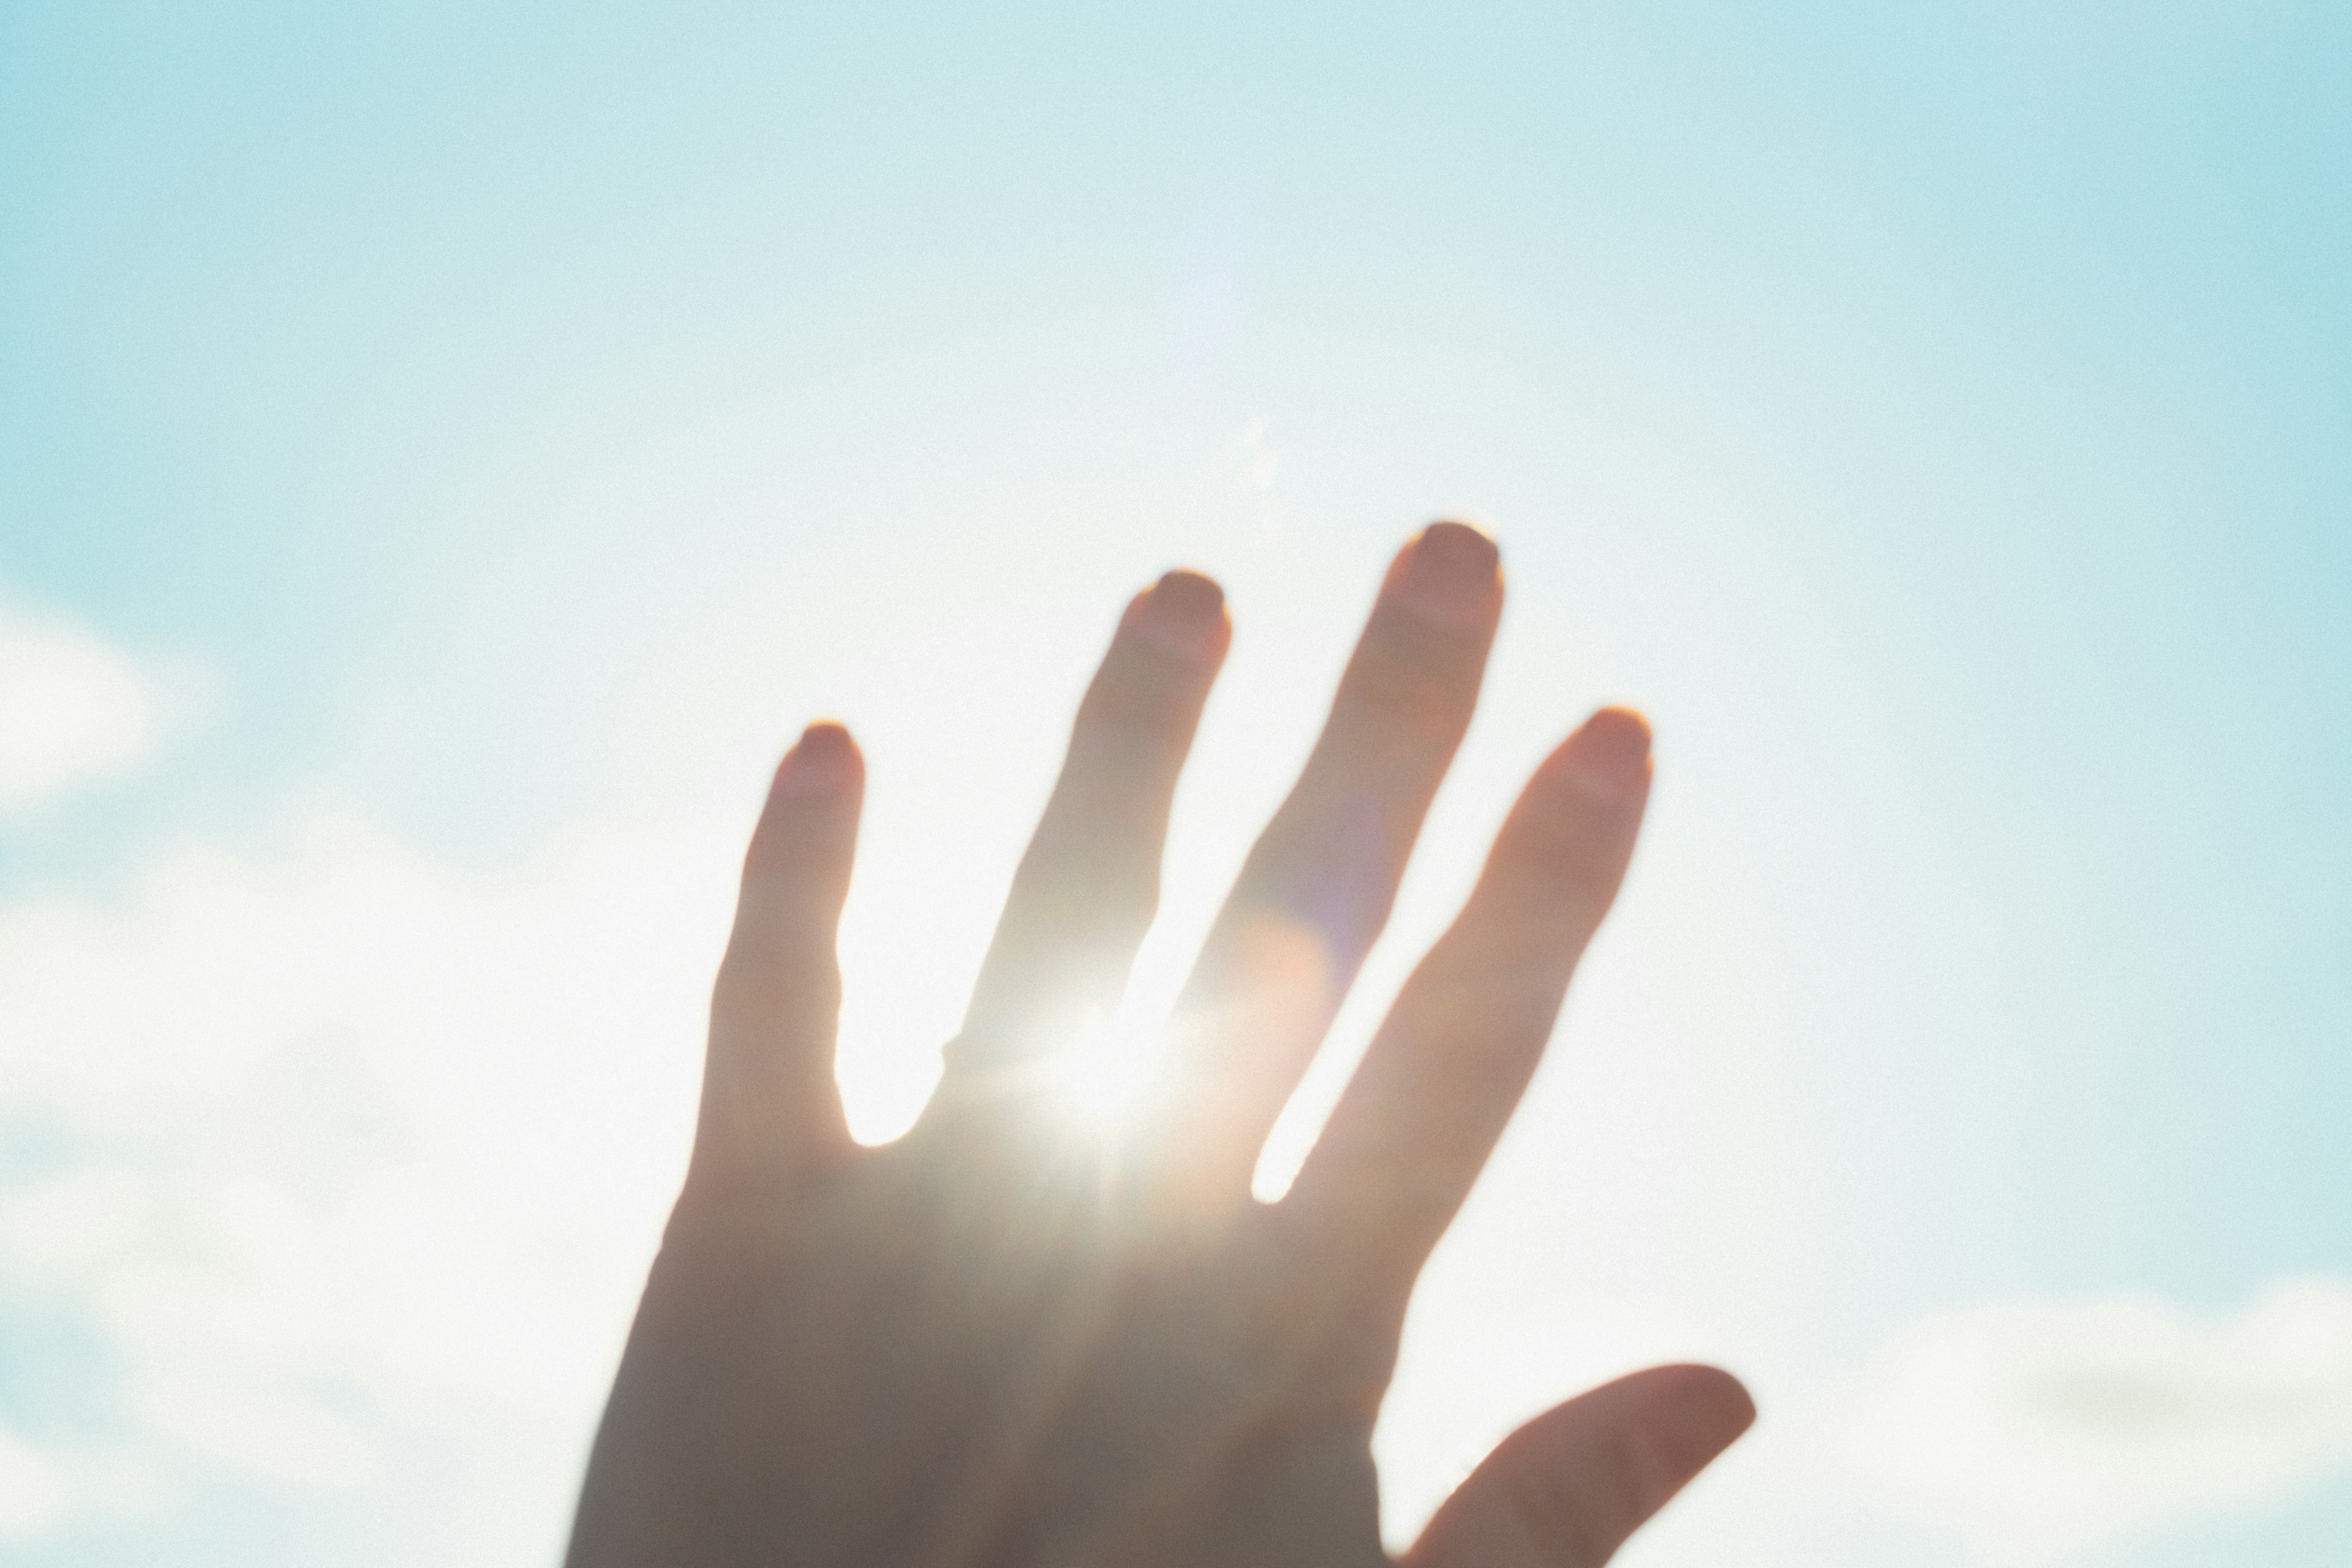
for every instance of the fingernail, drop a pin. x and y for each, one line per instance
(1609, 758)
(1448, 574)
(821, 762)
(1183, 614)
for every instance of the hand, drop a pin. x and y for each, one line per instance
(1001, 1343)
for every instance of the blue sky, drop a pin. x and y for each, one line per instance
(477, 438)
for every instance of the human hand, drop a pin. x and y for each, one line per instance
(999, 1344)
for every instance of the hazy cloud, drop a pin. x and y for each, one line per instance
(73, 707)
(347, 1153)
(2042, 1430)
(32, 1494)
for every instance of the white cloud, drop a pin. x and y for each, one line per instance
(43, 1488)
(73, 708)
(2041, 1430)
(352, 1153)
(32, 1491)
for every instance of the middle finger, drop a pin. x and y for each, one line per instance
(1319, 884)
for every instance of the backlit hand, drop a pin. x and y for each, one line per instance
(1001, 1342)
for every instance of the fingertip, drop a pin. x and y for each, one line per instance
(1712, 1402)
(1183, 614)
(1607, 758)
(824, 760)
(1618, 719)
(1671, 1421)
(1689, 1415)
(1469, 541)
(1194, 593)
(826, 734)
(1450, 573)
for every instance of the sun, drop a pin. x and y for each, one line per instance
(1098, 1081)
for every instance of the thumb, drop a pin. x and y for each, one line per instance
(1567, 1488)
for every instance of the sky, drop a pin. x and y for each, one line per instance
(447, 452)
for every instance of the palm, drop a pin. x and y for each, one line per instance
(1001, 1343)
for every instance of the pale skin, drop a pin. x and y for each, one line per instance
(1007, 1341)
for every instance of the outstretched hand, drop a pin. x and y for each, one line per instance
(998, 1344)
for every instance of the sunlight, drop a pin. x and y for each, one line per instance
(1098, 1081)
